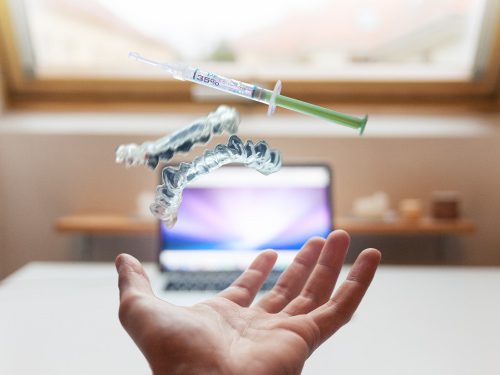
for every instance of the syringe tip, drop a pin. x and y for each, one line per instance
(134, 55)
(364, 120)
(137, 57)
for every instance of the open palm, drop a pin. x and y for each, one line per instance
(226, 334)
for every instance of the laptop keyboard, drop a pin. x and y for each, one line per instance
(210, 280)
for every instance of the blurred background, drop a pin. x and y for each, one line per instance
(427, 72)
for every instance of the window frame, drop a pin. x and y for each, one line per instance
(23, 92)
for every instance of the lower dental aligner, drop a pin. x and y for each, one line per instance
(199, 132)
(169, 195)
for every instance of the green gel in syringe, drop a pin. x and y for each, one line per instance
(315, 110)
(253, 92)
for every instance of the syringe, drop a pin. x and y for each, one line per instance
(253, 92)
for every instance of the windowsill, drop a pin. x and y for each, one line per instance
(282, 124)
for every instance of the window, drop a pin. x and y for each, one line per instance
(322, 46)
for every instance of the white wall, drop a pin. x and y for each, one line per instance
(55, 165)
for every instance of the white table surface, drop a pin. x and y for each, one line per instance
(61, 318)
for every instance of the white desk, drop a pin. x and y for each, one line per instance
(62, 319)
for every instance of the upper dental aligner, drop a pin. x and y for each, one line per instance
(199, 132)
(169, 195)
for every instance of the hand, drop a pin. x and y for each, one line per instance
(226, 335)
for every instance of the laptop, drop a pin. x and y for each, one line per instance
(228, 216)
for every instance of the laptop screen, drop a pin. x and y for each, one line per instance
(228, 215)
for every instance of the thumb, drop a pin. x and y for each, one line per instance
(132, 279)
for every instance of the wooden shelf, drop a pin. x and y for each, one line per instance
(112, 224)
(425, 226)
(106, 224)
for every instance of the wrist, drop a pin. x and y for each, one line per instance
(189, 367)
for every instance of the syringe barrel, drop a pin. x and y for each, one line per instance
(231, 86)
(181, 71)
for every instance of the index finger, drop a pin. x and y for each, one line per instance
(339, 309)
